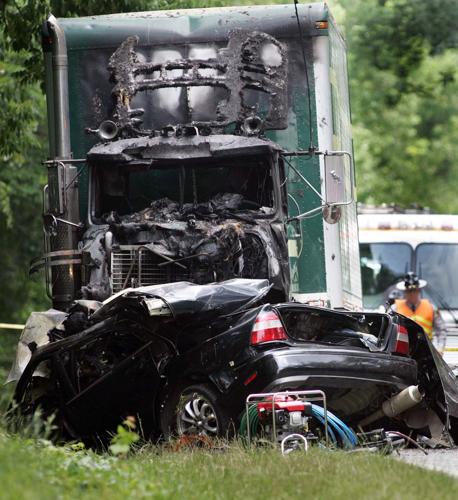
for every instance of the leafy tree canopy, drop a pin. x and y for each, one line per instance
(403, 77)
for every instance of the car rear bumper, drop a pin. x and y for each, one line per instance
(321, 367)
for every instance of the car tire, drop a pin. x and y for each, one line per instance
(194, 410)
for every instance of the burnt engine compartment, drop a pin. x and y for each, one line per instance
(200, 245)
(165, 244)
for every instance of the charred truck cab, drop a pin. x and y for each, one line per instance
(200, 145)
(199, 209)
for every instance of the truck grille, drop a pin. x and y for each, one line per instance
(132, 266)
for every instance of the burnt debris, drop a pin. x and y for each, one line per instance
(251, 73)
(164, 244)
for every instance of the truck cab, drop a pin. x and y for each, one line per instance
(197, 208)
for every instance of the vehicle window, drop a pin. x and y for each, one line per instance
(242, 185)
(438, 264)
(320, 326)
(382, 266)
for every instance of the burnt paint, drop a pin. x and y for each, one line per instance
(244, 65)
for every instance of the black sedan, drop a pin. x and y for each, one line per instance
(184, 357)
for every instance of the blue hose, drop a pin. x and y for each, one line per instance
(330, 431)
(337, 430)
(347, 436)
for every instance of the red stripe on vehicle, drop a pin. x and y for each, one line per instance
(402, 340)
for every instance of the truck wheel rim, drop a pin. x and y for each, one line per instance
(196, 415)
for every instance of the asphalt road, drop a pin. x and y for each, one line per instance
(441, 460)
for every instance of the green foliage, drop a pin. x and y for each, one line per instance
(22, 147)
(404, 82)
(124, 438)
(403, 59)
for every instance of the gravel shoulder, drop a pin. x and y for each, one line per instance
(439, 460)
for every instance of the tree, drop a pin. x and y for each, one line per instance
(403, 79)
(23, 144)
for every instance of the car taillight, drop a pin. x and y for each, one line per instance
(267, 328)
(402, 340)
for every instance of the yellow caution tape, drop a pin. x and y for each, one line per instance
(451, 349)
(11, 326)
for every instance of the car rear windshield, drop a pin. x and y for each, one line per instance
(382, 266)
(437, 263)
(305, 324)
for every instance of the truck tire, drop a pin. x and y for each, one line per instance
(194, 410)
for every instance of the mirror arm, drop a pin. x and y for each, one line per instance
(305, 180)
(55, 220)
(79, 225)
(306, 214)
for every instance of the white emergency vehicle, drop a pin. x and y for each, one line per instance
(394, 241)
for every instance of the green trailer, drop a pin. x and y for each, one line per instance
(200, 145)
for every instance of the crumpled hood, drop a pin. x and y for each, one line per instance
(183, 300)
(189, 299)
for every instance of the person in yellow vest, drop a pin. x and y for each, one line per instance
(420, 310)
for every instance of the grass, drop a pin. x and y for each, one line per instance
(33, 469)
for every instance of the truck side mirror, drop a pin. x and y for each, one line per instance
(338, 178)
(338, 189)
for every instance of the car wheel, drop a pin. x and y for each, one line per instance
(194, 410)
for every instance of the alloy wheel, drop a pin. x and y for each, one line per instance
(196, 415)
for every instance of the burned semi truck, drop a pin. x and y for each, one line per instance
(200, 145)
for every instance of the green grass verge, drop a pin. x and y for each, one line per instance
(34, 469)
(30, 470)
